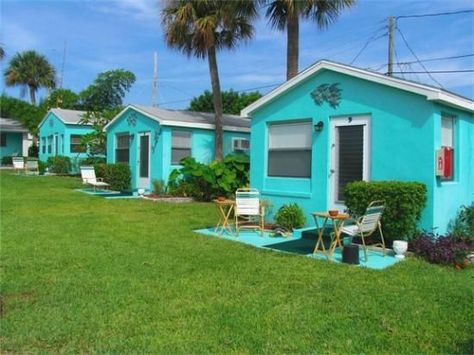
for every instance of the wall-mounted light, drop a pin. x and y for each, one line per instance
(318, 127)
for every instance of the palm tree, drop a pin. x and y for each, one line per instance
(285, 15)
(202, 27)
(30, 70)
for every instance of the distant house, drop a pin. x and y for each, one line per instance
(333, 124)
(60, 133)
(152, 140)
(14, 138)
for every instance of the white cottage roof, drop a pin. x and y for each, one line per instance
(191, 119)
(9, 125)
(67, 116)
(430, 92)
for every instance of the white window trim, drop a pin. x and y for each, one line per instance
(240, 139)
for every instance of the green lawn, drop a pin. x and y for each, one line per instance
(85, 274)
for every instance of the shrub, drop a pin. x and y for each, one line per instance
(404, 203)
(159, 187)
(444, 250)
(118, 176)
(7, 160)
(59, 164)
(290, 216)
(463, 225)
(42, 167)
(205, 182)
(100, 169)
(93, 161)
(33, 151)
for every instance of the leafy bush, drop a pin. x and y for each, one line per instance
(445, 250)
(290, 216)
(7, 160)
(463, 225)
(33, 151)
(205, 182)
(59, 164)
(93, 161)
(404, 203)
(159, 187)
(117, 175)
(42, 167)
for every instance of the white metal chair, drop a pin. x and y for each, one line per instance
(89, 178)
(32, 167)
(366, 225)
(18, 164)
(249, 213)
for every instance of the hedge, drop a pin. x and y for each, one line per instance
(59, 164)
(117, 175)
(404, 203)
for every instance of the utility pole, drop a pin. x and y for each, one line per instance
(155, 79)
(391, 44)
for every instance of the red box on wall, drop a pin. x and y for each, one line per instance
(444, 162)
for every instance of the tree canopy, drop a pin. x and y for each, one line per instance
(107, 91)
(61, 98)
(21, 111)
(232, 101)
(30, 70)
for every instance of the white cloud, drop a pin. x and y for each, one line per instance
(143, 10)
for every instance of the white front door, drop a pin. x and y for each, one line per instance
(144, 161)
(350, 155)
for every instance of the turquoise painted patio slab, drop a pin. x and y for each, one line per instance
(108, 194)
(376, 260)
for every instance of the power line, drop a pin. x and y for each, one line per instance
(439, 58)
(435, 14)
(372, 38)
(436, 71)
(417, 59)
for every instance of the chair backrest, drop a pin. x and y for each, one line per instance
(372, 216)
(32, 164)
(88, 174)
(18, 162)
(247, 202)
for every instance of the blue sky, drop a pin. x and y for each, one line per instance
(104, 35)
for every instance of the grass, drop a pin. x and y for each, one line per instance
(85, 274)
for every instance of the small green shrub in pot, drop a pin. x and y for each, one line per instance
(404, 203)
(59, 164)
(290, 216)
(42, 167)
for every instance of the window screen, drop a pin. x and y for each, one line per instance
(122, 148)
(3, 139)
(43, 145)
(50, 143)
(180, 147)
(289, 150)
(76, 146)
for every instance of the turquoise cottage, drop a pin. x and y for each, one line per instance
(14, 138)
(60, 133)
(334, 123)
(152, 140)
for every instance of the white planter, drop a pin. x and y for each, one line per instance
(400, 248)
(141, 191)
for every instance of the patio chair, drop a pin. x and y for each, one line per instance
(32, 167)
(18, 164)
(249, 213)
(89, 178)
(366, 225)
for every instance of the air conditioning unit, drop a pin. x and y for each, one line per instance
(241, 144)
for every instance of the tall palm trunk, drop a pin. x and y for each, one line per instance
(33, 96)
(216, 92)
(292, 48)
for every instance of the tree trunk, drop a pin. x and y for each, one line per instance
(292, 47)
(216, 93)
(33, 96)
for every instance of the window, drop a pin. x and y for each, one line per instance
(76, 146)
(122, 148)
(240, 145)
(50, 143)
(180, 146)
(43, 145)
(289, 150)
(447, 138)
(3, 139)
